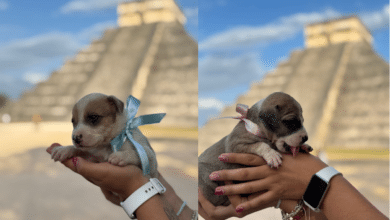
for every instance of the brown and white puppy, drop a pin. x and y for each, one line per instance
(97, 119)
(280, 122)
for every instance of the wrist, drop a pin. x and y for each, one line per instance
(133, 186)
(318, 187)
(288, 205)
(334, 181)
(143, 194)
(292, 209)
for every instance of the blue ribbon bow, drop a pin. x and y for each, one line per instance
(132, 106)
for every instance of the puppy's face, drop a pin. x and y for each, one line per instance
(282, 116)
(96, 120)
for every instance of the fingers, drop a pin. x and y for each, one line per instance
(210, 212)
(258, 203)
(235, 200)
(111, 197)
(96, 172)
(244, 159)
(93, 172)
(243, 188)
(206, 205)
(72, 163)
(242, 174)
(202, 212)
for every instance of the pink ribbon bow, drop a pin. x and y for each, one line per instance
(249, 125)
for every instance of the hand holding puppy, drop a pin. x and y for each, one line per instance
(272, 126)
(110, 178)
(288, 182)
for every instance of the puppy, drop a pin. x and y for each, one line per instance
(270, 126)
(97, 119)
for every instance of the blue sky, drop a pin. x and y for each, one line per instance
(36, 37)
(240, 41)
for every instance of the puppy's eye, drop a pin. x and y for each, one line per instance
(94, 119)
(73, 122)
(292, 124)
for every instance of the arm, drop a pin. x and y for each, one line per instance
(289, 182)
(124, 181)
(348, 202)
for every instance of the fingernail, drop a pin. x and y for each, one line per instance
(239, 209)
(219, 192)
(223, 158)
(214, 176)
(75, 161)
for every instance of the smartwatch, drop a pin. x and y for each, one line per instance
(141, 195)
(317, 188)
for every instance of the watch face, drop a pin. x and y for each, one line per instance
(315, 191)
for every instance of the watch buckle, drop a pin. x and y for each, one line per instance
(158, 185)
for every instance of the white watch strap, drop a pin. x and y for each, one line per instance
(141, 195)
(327, 173)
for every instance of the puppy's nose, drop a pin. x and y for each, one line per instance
(304, 139)
(77, 138)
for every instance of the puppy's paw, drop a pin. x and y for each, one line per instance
(273, 158)
(119, 158)
(307, 148)
(63, 153)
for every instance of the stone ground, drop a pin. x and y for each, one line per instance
(33, 187)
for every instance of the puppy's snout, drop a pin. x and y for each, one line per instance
(304, 139)
(77, 138)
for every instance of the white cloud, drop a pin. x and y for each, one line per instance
(3, 5)
(88, 5)
(283, 28)
(13, 87)
(191, 14)
(34, 78)
(30, 51)
(377, 19)
(96, 30)
(20, 56)
(222, 72)
(210, 103)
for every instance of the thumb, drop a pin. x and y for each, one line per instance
(89, 170)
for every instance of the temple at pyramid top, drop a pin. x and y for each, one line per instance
(349, 29)
(149, 11)
(340, 82)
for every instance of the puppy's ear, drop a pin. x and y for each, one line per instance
(118, 104)
(269, 119)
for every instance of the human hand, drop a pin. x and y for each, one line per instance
(210, 212)
(111, 179)
(287, 182)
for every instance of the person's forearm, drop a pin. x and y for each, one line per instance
(161, 211)
(344, 202)
(175, 202)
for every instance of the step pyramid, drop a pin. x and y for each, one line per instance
(340, 82)
(149, 55)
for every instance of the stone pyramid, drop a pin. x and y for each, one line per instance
(341, 83)
(149, 55)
